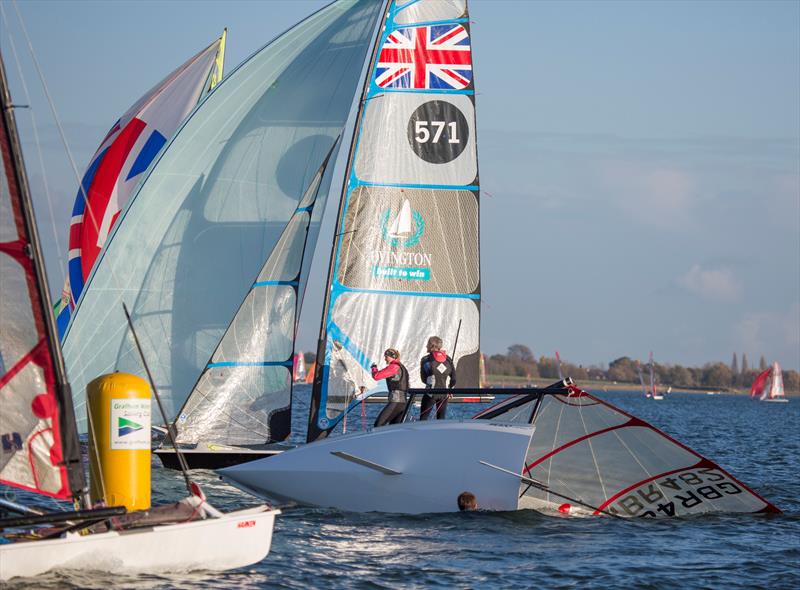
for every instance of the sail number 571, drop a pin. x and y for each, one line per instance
(423, 129)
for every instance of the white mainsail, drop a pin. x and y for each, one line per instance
(405, 263)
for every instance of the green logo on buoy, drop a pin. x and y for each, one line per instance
(126, 426)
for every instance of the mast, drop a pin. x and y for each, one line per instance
(12, 154)
(320, 376)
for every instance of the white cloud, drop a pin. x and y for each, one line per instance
(659, 195)
(719, 285)
(776, 333)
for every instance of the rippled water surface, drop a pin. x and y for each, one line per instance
(758, 442)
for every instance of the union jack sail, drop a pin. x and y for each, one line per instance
(125, 153)
(435, 56)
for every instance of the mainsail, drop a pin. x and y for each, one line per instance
(40, 449)
(244, 395)
(127, 150)
(768, 385)
(216, 203)
(405, 260)
(614, 463)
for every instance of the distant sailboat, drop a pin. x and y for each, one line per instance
(654, 393)
(768, 385)
(299, 368)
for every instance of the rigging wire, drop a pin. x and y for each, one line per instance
(62, 135)
(61, 260)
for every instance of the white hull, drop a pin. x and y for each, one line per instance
(235, 539)
(412, 468)
(780, 400)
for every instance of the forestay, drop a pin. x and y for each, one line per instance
(586, 449)
(405, 262)
(244, 396)
(215, 204)
(37, 429)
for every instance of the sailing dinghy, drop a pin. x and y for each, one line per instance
(405, 266)
(40, 448)
(224, 207)
(768, 385)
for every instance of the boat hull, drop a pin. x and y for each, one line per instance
(212, 456)
(412, 468)
(235, 539)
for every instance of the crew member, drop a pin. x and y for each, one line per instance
(467, 502)
(396, 376)
(434, 369)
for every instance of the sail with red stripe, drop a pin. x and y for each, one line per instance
(760, 381)
(124, 154)
(615, 463)
(38, 443)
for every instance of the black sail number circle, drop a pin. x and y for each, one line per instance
(438, 132)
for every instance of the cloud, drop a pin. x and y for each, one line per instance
(777, 333)
(719, 285)
(656, 194)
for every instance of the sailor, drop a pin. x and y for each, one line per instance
(467, 502)
(434, 369)
(396, 376)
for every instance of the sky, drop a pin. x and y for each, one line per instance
(639, 161)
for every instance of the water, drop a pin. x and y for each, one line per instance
(758, 442)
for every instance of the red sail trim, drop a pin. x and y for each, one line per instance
(615, 497)
(31, 355)
(631, 422)
(18, 250)
(759, 382)
(773, 509)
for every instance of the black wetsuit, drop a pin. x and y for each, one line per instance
(434, 373)
(397, 384)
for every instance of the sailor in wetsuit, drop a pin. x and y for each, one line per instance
(434, 369)
(396, 376)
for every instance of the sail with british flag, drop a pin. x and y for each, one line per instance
(405, 263)
(124, 154)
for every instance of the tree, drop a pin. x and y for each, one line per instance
(521, 352)
(680, 377)
(623, 369)
(717, 375)
(745, 366)
(762, 363)
(735, 365)
(791, 381)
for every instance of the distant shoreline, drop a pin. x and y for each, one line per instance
(509, 381)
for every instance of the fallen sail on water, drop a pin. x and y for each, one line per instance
(584, 448)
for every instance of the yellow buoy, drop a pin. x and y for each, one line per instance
(119, 440)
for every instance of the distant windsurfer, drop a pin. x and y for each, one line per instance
(396, 376)
(434, 369)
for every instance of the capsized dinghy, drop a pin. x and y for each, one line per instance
(558, 450)
(40, 449)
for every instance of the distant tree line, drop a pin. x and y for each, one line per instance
(519, 361)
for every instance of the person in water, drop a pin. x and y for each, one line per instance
(396, 376)
(434, 370)
(467, 501)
